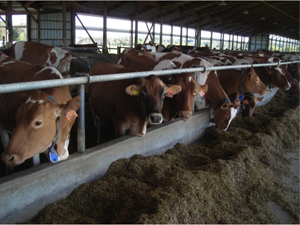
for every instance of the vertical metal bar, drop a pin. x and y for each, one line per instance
(81, 121)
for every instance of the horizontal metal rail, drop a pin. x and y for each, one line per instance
(24, 86)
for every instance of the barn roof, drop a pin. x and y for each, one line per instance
(234, 17)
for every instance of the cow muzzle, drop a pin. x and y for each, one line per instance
(10, 159)
(185, 115)
(155, 118)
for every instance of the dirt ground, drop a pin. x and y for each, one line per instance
(248, 174)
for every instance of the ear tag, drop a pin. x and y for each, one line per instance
(245, 102)
(71, 114)
(52, 155)
(135, 93)
(169, 94)
(241, 97)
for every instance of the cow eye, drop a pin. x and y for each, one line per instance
(143, 95)
(195, 93)
(37, 124)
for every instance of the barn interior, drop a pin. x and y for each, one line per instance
(53, 23)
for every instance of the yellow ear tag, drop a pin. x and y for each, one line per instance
(71, 114)
(135, 93)
(169, 94)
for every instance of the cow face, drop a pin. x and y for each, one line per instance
(224, 115)
(252, 83)
(152, 92)
(277, 77)
(37, 126)
(184, 100)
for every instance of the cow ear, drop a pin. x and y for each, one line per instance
(174, 89)
(133, 90)
(202, 89)
(69, 109)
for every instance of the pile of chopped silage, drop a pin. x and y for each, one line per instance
(226, 177)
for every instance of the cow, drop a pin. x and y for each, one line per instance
(131, 104)
(223, 109)
(42, 119)
(295, 84)
(182, 104)
(40, 54)
(270, 75)
(243, 80)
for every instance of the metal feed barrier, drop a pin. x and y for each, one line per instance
(86, 79)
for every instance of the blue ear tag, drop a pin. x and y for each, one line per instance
(53, 155)
(241, 97)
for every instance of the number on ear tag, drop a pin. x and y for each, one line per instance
(53, 156)
(71, 114)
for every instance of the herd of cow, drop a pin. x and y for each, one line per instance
(41, 120)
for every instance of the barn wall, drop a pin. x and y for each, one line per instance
(51, 28)
(24, 194)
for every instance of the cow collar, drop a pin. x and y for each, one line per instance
(53, 157)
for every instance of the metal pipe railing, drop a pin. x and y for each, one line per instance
(6, 88)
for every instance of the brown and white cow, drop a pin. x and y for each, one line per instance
(231, 80)
(35, 114)
(182, 104)
(131, 104)
(270, 75)
(40, 54)
(224, 110)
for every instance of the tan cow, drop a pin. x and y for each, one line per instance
(41, 118)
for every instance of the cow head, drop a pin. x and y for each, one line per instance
(249, 102)
(252, 82)
(152, 92)
(276, 74)
(224, 114)
(37, 126)
(183, 102)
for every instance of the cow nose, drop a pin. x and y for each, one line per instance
(185, 115)
(7, 158)
(155, 118)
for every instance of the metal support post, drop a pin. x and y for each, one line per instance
(81, 121)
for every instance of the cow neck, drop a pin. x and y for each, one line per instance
(216, 93)
(53, 157)
(241, 96)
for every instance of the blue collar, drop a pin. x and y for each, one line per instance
(53, 157)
